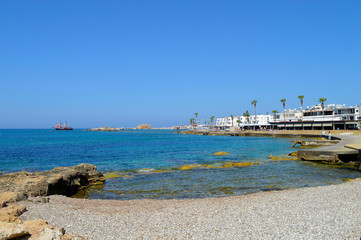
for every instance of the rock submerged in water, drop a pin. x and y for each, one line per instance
(225, 165)
(284, 158)
(112, 175)
(220, 153)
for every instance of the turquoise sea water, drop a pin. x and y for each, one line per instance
(135, 155)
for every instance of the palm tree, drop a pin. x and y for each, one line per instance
(246, 114)
(192, 122)
(274, 114)
(254, 103)
(212, 120)
(196, 116)
(301, 98)
(322, 101)
(283, 100)
(239, 124)
(232, 119)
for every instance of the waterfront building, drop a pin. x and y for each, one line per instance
(241, 122)
(332, 117)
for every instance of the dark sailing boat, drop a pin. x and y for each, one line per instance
(64, 127)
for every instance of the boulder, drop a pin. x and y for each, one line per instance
(11, 230)
(35, 227)
(61, 180)
(9, 197)
(10, 213)
(40, 230)
(49, 234)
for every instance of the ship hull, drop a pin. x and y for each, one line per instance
(66, 128)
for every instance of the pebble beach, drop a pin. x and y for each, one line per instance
(324, 212)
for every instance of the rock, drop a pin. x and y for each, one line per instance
(10, 213)
(34, 227)
(282, 158)
(273, 157)
(61, 180)
(9, 197)
(144, 126)
(50, 234)
(227, 165)
(67, 236)
(242, 164)
(11, 230)
(220, 153)
(39, 199)
(189, 167)
(293, 154)
(112, 175)
(41, 230)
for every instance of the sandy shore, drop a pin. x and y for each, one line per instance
(327, 212)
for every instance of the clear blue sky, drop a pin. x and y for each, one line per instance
(123, 63)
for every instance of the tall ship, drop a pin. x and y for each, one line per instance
(62, 127)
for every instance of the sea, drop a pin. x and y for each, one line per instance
(162, 164)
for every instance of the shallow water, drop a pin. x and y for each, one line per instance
(135, 155)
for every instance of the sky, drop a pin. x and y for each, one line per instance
(124, 63)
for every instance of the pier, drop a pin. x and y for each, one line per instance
(313, 142)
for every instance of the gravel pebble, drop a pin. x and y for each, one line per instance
(326, 212)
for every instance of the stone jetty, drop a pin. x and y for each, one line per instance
(347, 150)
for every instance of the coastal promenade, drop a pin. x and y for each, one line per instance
(348, 149)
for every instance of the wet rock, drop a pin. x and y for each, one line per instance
(273, 157)
(227, 165)
(293, 154)
(220, 153)
(112, 175)
(11, 230)
(242, 164)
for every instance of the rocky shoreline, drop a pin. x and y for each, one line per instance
(29, 213)
(36, 187)
(324, 212)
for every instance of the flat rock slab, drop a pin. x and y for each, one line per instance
(61, 180)
(331, 153)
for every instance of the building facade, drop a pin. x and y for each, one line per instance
(332, 117)
(242, 122)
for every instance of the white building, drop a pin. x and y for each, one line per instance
(331, 117)
(251, 122)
